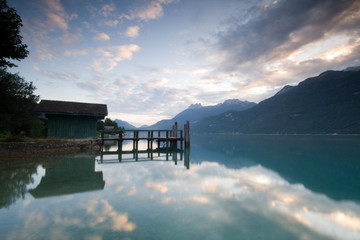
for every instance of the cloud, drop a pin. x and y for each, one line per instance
(59, 75)
(102, 215)
(40, 28)
(107, 9)
(155, 83)
(123, 52)
(132, 191)
(111, 23)
(132, 32)
(46, 52)
(110, 57)
(264, 47)
(158, 187)
(280, 29)
(57, 18)
(148, 11)
(198, 200)
(76, 52)
(102, 37)
(69, 39)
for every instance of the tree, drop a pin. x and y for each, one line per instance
(13, 184)
(11, 46)
(100, 125)
(110, 123)
(17, 98)
(17, 102)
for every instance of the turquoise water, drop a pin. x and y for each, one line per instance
(235, 187)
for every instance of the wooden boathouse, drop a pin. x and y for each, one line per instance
(71, 119)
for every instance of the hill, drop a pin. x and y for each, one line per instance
(124, 124)
(197, 112)
(326, 104)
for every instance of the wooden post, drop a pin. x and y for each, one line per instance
(134, 140)
(120, 142)
(175, 135)
(187, 158)
(174, 157)
(120, 156)
(175, 129)
(158, 143)
(148, 140)
(187, 134)
(152, 139)
(137, 140)
(181, 139)
(102, 141)
(167, 139)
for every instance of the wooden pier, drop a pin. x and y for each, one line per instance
(171, 144)
(170, 138)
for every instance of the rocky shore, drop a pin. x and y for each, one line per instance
(11, 148)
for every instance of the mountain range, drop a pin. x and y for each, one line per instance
(326, 104)
(197, 112)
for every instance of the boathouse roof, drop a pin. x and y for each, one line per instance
(72, 108)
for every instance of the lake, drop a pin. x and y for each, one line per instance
(229, 187)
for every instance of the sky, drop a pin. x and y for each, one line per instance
(150, 59)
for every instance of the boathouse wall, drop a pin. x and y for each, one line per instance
(65, 126)
(71, 119)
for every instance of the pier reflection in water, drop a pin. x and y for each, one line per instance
(112, 154)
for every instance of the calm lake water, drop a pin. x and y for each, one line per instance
(232, 187)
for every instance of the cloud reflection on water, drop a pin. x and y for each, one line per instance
(46, 222)
(255, 189)
(210, 200)
(268, 192)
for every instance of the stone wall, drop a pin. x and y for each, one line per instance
(48, 146)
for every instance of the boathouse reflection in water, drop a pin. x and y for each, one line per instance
(69, 176)
(77, 174)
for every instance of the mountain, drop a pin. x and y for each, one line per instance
(124, 124)
(197, 112)
(328, 103)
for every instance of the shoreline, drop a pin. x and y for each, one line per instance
(47, 146)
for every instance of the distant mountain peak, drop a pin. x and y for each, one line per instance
(232, 101)
(195, 106)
